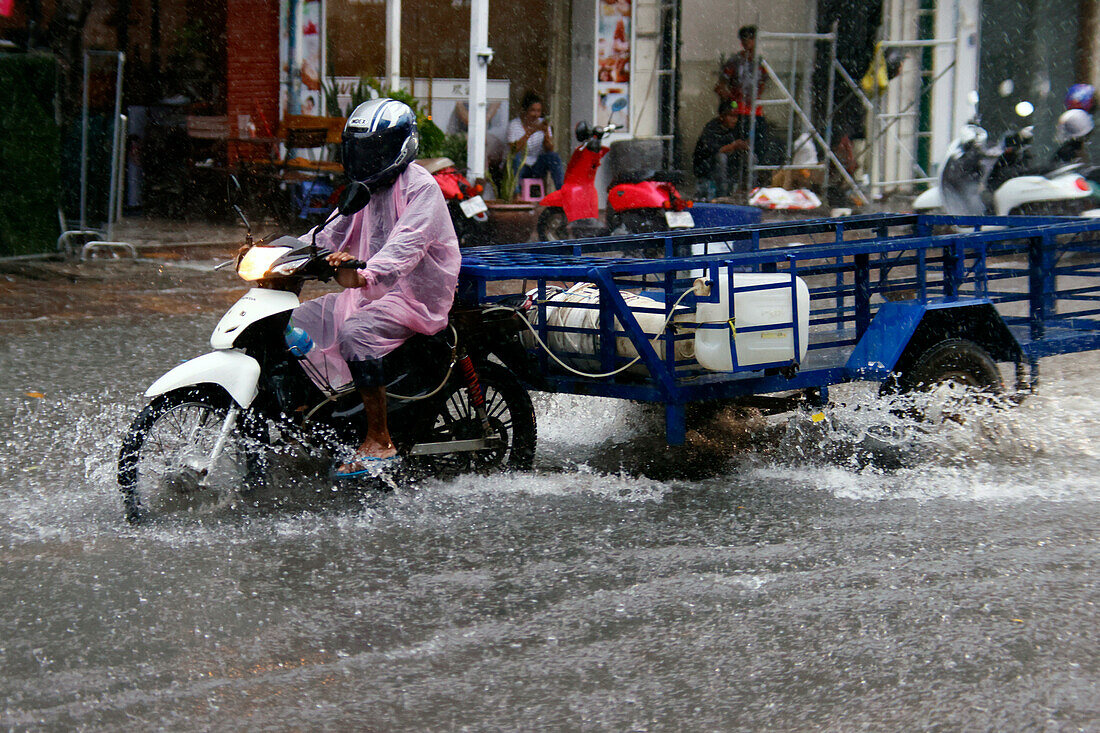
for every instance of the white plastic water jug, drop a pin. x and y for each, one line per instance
(715, 347)
(581, 323)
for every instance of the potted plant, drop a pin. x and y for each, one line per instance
(510, 220)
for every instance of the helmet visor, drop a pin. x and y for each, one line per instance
(368, 154)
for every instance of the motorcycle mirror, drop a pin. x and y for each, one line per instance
(354, 198)
(582, 131)
(233, 190)
(235, 195)
(619, 104)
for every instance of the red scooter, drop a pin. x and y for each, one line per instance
(469, 214)
(637, 201)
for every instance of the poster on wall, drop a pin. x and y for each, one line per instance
(301, 56)
(614, 36)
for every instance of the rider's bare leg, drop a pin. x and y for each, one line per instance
(370, 382)
(377, 442)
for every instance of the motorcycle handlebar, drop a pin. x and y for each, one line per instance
(352, 265)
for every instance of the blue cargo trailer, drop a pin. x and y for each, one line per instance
(893, 298)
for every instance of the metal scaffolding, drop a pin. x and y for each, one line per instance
(899, 147)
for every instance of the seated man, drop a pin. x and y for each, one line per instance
(716, 162)
(405, 237)
(721, 151)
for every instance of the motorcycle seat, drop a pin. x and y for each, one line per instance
(668, 176)
(638, 176)
(434, 165)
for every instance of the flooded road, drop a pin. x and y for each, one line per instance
(859, 573)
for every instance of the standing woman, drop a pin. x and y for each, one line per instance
(532, 143)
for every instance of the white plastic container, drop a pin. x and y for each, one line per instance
(714, 347)
(561, 312)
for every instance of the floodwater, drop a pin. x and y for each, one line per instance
(858, 573)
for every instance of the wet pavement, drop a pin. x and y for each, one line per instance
(860, 573)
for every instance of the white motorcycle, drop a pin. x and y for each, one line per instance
(978, 178)
(216, 423)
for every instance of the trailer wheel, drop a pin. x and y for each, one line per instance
(955, 360)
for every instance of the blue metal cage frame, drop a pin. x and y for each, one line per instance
(872, 280)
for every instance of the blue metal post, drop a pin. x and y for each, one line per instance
(953, 269)
(607, 335)
(794, 309)
(839, 284)
(675, 423)
(922, 273)
(1040, 283)
(544, 334)
(862, 275)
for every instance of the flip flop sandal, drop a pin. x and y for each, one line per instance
(372, 466)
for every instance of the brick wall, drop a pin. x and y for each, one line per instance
(252, 63)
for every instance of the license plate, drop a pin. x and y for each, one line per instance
(679, 219)
(473, 206)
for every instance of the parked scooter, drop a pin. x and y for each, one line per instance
(979, 178)
(218, 424)
(637, 202)
(469, 214)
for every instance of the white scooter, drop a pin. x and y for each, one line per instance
(977, 178)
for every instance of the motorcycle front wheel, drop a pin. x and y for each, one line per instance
(552, 224)
(511, 420)
(164, 464)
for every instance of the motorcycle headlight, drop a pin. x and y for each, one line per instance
(286, 268)
(257, 261)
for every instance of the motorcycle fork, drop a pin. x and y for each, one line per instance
(219, 445)
(473, 387)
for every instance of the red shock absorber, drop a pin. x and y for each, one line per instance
(468, 371)
(477, 397)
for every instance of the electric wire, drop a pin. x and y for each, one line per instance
(591, 375)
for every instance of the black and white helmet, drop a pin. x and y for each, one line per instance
(380, 140)
(1074, 124)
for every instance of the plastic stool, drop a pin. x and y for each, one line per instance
(531, 189)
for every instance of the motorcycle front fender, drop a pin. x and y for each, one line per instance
(928, 200)
(236, 372)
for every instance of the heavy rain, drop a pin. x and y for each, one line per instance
(820, 553)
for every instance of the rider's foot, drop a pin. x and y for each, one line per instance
(371, 453)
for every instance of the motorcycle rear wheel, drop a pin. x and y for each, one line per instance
(637, 221)
(511, 418)
(165, 453)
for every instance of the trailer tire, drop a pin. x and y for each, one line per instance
(954, 360)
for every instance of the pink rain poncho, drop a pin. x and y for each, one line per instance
(406, 238)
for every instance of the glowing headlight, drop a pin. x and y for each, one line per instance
(287, 268)
(255, 263)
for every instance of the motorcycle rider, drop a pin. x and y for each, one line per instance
(1075, 124)
(1074, 127)
(407, 286)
